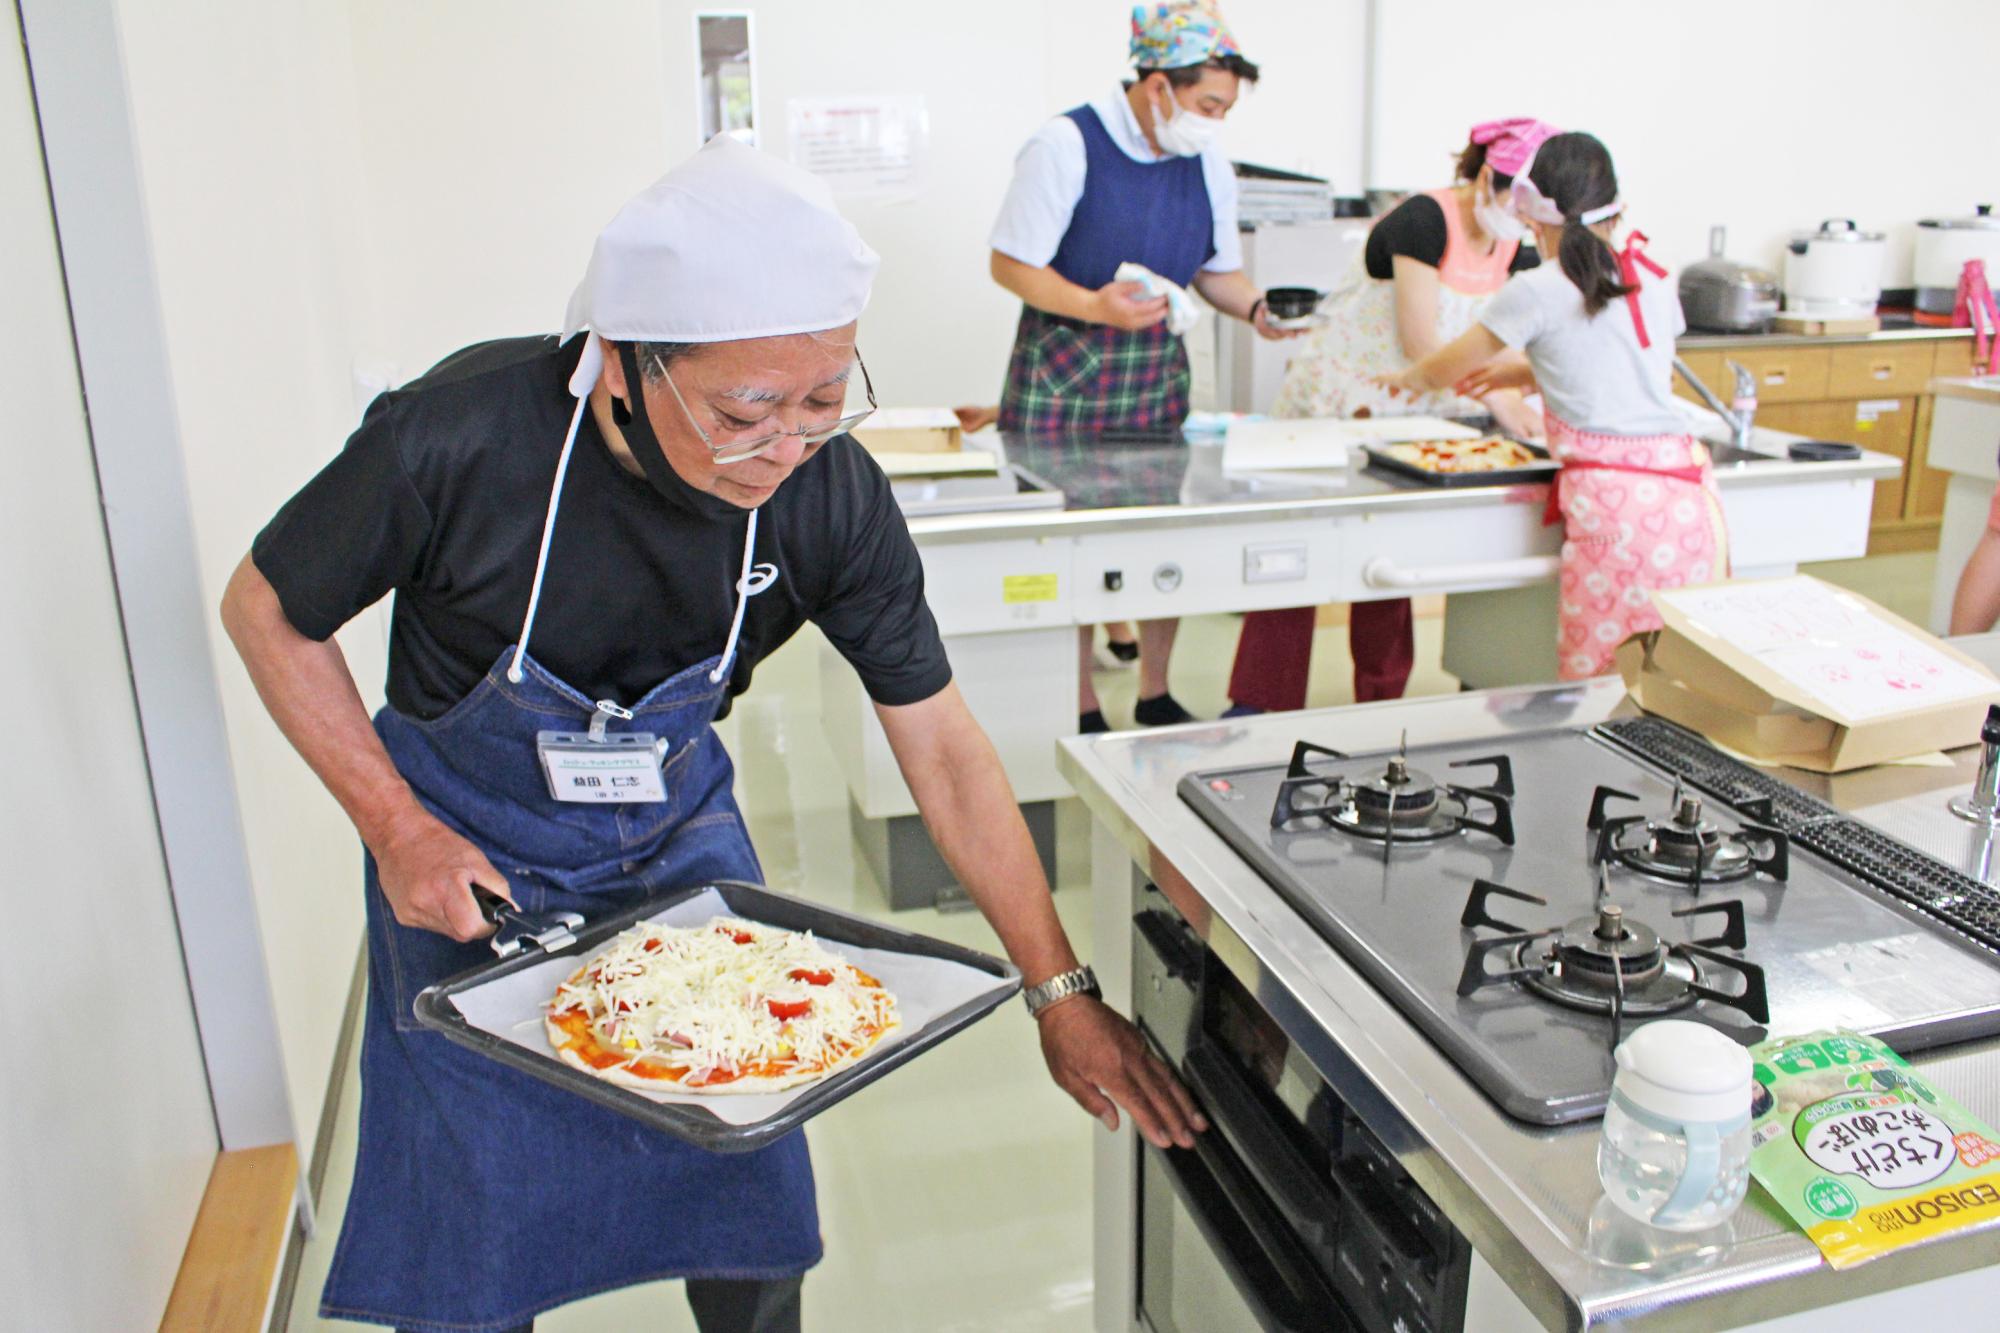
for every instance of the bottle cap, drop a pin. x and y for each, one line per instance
(1685, 1072)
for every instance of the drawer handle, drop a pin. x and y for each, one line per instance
(1882, 370)
(1776, 375)
(1384, 572)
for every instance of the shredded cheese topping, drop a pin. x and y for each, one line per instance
(727, 999)
(1488, 454)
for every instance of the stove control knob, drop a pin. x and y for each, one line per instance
(1167, 577)
(1114, 579)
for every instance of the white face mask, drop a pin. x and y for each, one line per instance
(1498, 222)
(1182, 133)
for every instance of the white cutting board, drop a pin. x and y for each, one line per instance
(955, 463)
(1323, 442)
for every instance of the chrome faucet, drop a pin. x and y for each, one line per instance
(1983, 805)
(1738, 415)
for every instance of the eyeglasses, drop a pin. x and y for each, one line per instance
(737, 451)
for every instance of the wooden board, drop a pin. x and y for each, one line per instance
(1821, 326)
(233, 1252)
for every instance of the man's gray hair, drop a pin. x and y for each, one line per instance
(654, 358)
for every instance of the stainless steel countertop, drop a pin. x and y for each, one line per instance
(1208, 496)
(1528, 1198)
(1711, 342)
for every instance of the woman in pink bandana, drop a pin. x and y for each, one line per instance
(1636, 494)
(1430, 265)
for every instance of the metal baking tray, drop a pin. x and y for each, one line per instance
(1533, 472)
(438, 1007)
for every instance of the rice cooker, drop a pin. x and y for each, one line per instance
(1943, 247)
(1719, 295)
(1835, 272)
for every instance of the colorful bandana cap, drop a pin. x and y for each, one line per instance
(1175, 36)
(1511, 144)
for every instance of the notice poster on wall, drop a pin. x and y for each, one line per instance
(864, 147)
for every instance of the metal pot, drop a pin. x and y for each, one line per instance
(1944, 245)
(1835, 272)
(1719, 295)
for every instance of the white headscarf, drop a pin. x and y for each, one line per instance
(732, 243)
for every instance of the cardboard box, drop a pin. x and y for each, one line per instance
(1799, 672)
(910, 430)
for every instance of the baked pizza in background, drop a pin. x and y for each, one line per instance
(1489, 453)
(727, 1007)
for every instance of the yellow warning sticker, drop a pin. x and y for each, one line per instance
(1017, 588)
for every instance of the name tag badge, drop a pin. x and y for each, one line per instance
(623, 769)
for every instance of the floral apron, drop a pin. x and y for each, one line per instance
(1333, 375)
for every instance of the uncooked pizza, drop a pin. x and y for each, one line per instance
(727, 1007)
(1489, 453)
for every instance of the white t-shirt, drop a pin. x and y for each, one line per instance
(1048, 181)
(1592, 372)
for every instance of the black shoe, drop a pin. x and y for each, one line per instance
(1091, 723)
(1124, 651)
(1161, 712)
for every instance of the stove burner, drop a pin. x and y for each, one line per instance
(1394, 803)
(1685, 847)
(1608, 964)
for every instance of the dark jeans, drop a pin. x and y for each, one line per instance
(724, 1306)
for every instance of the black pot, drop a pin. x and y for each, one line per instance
(1293, 302)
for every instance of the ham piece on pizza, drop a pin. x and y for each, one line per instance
(727, 1007)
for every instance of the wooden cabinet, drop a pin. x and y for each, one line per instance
(1880, 370)
(1708, 368)
(1886, 425)
(1873, 392)
(1787, 374)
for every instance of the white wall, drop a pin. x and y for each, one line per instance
(498, 136)
(1766, 116)
(106, 1132)
(245, 121)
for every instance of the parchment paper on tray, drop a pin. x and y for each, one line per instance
(935, 996)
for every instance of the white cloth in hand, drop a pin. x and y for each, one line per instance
(1182, 313)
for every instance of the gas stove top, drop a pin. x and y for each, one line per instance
(1527, 908)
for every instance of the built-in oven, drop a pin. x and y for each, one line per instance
(1290, 1213)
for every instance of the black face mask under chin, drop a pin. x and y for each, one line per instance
(636, 425)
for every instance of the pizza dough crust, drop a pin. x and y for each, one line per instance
(744, 1086)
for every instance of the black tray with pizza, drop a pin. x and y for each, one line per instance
(504, 1009)
(1487, 460)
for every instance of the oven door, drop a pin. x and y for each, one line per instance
(1215, 1254)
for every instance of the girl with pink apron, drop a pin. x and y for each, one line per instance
(1463, 243)
(1637, 493)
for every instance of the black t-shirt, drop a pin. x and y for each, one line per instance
(440, 496)
(1415, 229)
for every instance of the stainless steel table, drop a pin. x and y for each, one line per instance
(1157, 528)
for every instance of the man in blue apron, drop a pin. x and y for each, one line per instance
(607, 532)
(1135, 177)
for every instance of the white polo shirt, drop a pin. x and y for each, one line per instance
(1048, 181)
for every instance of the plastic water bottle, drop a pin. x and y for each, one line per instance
(1675, 1149)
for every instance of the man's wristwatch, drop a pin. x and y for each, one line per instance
(1061, 986)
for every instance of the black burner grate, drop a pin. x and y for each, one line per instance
(1941, 891)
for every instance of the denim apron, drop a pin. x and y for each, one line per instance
(483, 1196)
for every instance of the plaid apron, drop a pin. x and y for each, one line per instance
(1066, 377)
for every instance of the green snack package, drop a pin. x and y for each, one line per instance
(1864, 1154)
